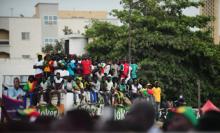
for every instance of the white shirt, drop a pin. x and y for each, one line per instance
(129, 74)
(116, 68)
(55, 64)
(58, 81)
(109, 85)
(93, 67)
(69, 86)
(96, 86)
(63, 73)
(38, 70)
(134, 88)
(107, 69)
(44, 85)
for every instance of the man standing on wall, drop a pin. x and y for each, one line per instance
(157, 96)
(38, 66)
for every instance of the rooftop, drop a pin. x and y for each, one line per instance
(46, 4)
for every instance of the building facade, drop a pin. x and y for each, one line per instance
(19, 44)
(21, 38)
(212, 8)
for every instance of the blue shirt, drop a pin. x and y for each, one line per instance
(14, 93)
(70, 67)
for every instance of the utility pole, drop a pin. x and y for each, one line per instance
(131, 4)
(199, 93)
(129, 34)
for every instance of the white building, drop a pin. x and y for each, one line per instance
(21, 38)
(19, 44)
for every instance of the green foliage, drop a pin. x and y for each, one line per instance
(103, 43)
(175, 49)
(57, 48)
(67, 31)
(47, 49)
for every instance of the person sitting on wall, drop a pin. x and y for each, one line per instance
(44, 89)
(95, 89)
(58, 88)
(31, 91)
(77, 88)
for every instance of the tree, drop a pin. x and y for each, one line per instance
(67, 31)
(57, 48)
(47, 49)
(166, 45)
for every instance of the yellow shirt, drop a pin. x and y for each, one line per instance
(78, 86)
(157, 94)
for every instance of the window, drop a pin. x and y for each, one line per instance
(46, 19)
(50, 20)
(50, 41)
(55, 19)
(25, 35)
(26, 56)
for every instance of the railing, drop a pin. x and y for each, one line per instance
(4, 42)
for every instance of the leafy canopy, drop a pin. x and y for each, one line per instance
(170, 47)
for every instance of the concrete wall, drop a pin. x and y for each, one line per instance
(83, 14)
(45, 9)
(4, 23)
(77, 45)
(16, 66)
(112, 21)
(19, 47)
(75, 25)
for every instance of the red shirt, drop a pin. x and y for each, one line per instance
(125, 71)
(86, 67)
(150, 91)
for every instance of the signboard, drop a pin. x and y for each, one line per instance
(93, 109)
(97, 109)
(51, 110)
(120, 112)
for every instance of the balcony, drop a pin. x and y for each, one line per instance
(4, 48)
(4, 37)
(4, 42)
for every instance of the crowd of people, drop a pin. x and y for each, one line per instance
(107, 82)
(140, 118)
(91, 81)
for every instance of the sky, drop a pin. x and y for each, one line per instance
(26, 7)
